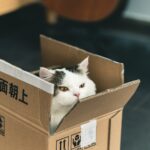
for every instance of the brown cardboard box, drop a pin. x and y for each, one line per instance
(94, 124)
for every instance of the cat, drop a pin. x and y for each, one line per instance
(71, 85)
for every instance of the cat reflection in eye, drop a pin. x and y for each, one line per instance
(71, 84)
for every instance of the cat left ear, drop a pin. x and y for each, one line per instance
(83, 66)
(45, 73)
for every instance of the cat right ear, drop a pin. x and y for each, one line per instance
(83, 66)
(45, 73)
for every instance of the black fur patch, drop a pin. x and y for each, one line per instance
(57, 80)
(58, 77)
(74, 69)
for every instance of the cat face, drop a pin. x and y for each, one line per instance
(71, 83)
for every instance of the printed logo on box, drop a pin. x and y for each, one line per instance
(72, 142)
(13, 91)
(2, 125)
(75, 141)
(62, 144)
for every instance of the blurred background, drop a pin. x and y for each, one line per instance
(117, 29)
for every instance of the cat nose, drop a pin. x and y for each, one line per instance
(76, 94)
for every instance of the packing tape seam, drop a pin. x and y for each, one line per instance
(25, 76)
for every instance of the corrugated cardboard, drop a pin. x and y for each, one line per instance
(25, 103)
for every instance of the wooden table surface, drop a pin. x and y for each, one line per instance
(7, 6)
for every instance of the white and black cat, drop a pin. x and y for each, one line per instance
(72, 84)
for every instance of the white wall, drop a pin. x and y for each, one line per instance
(138, 9)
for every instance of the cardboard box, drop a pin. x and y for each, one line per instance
(94, 124)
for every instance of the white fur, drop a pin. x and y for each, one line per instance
(64, 101)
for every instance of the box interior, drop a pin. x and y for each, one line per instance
(105, 72)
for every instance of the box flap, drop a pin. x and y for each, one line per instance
(24, 95)
(100, 104)
(105, 72)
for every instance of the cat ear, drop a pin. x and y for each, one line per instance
(45, 73)
(83, 66)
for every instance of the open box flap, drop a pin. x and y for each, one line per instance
(105, 72)
(25, 96)
(100, 104)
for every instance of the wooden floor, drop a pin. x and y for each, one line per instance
(123, 40)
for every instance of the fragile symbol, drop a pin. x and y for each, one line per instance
(63, 144)
(76, 141)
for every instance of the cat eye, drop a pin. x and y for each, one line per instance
(82, 85)
(63, 88)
